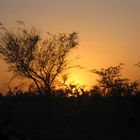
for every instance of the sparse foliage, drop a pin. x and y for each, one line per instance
(110, 79)
(30, 56)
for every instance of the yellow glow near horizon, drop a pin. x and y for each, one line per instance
(77, 79)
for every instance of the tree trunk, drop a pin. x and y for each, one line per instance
(49, 103)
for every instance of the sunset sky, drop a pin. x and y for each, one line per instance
(109, 31)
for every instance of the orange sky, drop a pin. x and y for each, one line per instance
(109, 30)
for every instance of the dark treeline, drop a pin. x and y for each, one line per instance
(89, 115)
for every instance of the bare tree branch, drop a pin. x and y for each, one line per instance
(30, 56)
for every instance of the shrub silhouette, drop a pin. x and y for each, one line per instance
(111, 81)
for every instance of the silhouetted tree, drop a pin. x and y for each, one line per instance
(130, 88)
(110, 79)
(72, 88)
(30, 56)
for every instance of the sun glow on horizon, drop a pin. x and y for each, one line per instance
(77, 80)
(81, 78)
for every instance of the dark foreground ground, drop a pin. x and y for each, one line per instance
(87, 118)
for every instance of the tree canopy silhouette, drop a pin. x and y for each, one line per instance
(110, 79)
(30, 56)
